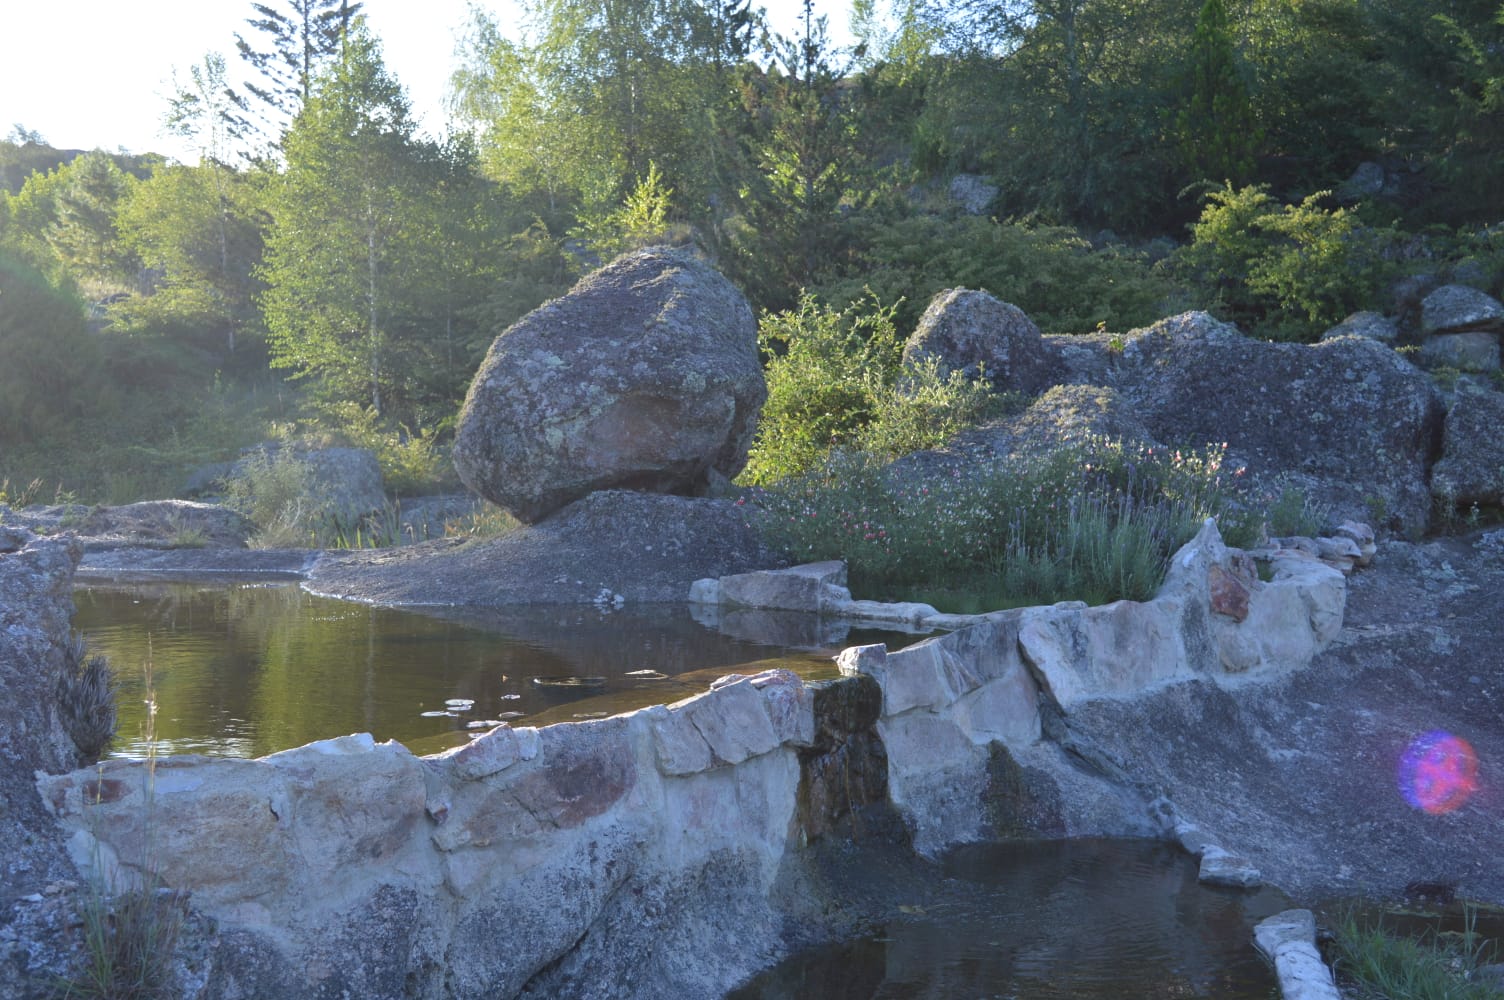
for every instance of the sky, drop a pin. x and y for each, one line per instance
(97, 73)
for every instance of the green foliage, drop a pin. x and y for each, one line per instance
(50, 366)
(1288, 271)
(1094, 520)
(1049, 272)
(1376, 962)
(834, 381)
(201, 227)
(412, 462)
(276, 491)
(642, 219)
(1214, 126)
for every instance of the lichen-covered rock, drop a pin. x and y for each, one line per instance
(1351, 416)
(645, 376)
(1374, 326)
(1471, 469)
(1470, 350)
(641, 546)
(36, 606)
(974, 333)
(165, 524)
(1458, 308)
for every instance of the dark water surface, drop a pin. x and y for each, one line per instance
(1058, 920)
(245, 670)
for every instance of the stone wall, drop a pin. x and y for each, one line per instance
(650, 854)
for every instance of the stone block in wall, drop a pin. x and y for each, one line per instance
(732, 720)
(790, 705)
(916, 678)
(680, 747)
(1115, 650)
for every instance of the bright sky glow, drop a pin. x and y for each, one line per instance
(97, 73)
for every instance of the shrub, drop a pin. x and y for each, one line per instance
(1377, 962)
(834, 381)
(1050, 272)
(275, 490)
(1288, 272)
(1094, 520)
(86, 701)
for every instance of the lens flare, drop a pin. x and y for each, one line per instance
(1438, 773)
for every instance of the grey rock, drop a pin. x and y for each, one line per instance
(1367, 181)
(1471, 468)
(36, 605)
(1288, 940)
(1220, 868)
(644, 376)
(1459, 308)
(1351, 416)
(1372, 325)
(1473, 351)
(642, 546)
(974, 333)
(972, 193)
(798, 588)
(165, 524)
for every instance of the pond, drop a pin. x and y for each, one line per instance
(1045, 920)
(244, 670)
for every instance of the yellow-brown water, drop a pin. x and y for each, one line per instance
(247, 670)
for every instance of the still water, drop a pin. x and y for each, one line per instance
(1059, 920)
(247, 670)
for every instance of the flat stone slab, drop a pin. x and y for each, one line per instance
(1288, 940)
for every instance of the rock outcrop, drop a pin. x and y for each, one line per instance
(974, 333)
(640, 547)
(1356, 420)
(645, 376)
(36, 605)
(345, 482)
(1471, 468)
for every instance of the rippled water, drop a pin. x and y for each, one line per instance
(247, 670)
(1059, 920)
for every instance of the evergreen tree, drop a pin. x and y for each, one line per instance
(297, 40)
(1215, 127)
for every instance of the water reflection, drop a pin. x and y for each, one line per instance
(246, 670)
(1049, 921)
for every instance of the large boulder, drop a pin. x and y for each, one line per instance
(974, 333)
(645, 376)
(1458, 309)
(1471, 468)
(1350, 416)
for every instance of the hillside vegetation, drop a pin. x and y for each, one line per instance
(327, 269)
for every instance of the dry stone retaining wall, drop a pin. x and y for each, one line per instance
(617, 857)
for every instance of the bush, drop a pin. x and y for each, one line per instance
(86, 701)
(1288, 272)
(1095, 520)
(835, 381)
(1049, 272)
(275, 490)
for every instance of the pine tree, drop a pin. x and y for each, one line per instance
(1215, 127)
(296, 42)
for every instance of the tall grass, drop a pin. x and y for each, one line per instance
(1380, 964)
(1094, 520)
(129, 937)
